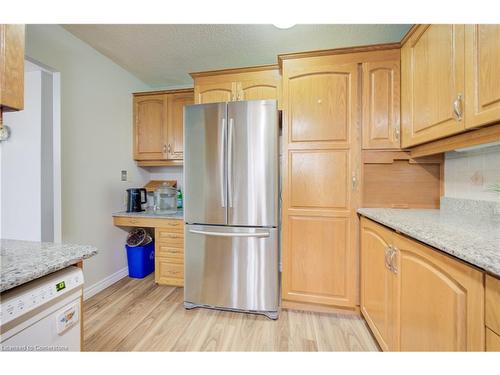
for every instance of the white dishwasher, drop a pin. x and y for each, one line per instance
(44, 314)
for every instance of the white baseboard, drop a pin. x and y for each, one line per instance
(104, 283)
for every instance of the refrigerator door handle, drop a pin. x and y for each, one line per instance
(222, 164)
(228, 234)
(230, 162)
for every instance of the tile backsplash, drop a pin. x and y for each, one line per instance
(470, 174)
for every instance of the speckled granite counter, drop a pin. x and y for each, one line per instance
(150, 214)
(23, 261)
(468, 230)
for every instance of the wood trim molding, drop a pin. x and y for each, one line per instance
(170, 91)
(247, 69)
(337, 51)
(408, 34)
(302, 306)
(471, 138)
(160, 163)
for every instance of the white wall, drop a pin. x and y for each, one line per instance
(26, 167)
(96, 143)
(470, 174)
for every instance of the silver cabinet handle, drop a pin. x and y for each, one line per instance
(386, 258)
(392, 259)
(222, 164)
(164, 149)
(354, 180)
(169, 148)
(396, 133)
(230, 162)
(457, 107)
(227, 234)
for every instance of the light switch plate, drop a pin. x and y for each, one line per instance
(124, 175)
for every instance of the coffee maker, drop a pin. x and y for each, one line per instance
(135, 199)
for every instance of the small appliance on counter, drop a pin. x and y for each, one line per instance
(165, 200)
(151, 186)
(136, 197)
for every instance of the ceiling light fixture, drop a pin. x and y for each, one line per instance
(284, 25)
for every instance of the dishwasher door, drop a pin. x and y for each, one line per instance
(53, 327)
(233, 268)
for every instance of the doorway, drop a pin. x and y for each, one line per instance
(30, 161)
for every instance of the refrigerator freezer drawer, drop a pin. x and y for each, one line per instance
(232, 267)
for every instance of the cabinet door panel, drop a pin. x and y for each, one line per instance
(318, 272)
(12, 66)
(482, 74)
(432, 79)
(258, 90)
(319, 178)
(320, 106)
(381, 97)
(149, 127)
(175, 134)
(377, 282)
(214, 92)
(441, 301)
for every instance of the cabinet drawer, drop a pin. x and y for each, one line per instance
(165, 236)
(492, 304)
(169, 273)
(173, 225)
(165, 250)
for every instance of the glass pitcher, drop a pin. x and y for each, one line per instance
(165, 200)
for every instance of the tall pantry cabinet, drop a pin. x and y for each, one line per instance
(332, 101)
(321, 151)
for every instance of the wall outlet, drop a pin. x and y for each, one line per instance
(124, 175)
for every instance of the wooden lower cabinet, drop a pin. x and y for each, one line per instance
(378, 284)
(169, 254)
(440, 302)
(492, 313)
(492, 341)
(424, 300)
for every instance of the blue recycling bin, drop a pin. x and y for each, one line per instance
(141, 260)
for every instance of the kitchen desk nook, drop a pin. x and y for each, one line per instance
(169, 242)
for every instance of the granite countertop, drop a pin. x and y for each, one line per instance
(23, 261)
(468, 230)
(151, 214)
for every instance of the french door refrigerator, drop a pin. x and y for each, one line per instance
(231, 187)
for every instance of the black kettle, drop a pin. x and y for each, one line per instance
(134, 199)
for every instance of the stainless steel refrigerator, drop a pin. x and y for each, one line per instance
(231, 186)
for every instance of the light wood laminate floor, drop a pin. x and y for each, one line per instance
(138, 315)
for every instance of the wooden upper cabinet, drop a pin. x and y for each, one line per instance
(175, 128)
(441, 301)
(254, 83)
(214, 92)
(158, 126)
(260, 85)
(11, 67)
(150, 127)
(482, 75)
(377, 283)
(432, 83)
(321, 103)
(381, 109)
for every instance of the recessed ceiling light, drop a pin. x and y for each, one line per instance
(284, 25)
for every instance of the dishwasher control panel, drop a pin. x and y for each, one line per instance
(36, 293)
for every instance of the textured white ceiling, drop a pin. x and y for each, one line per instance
(163, 55)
